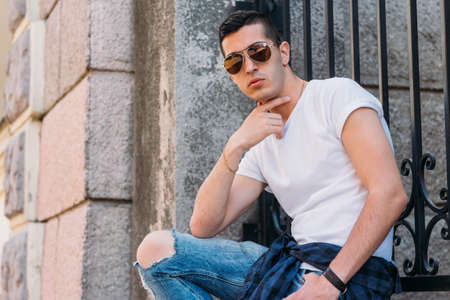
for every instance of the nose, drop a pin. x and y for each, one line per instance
(249, 65)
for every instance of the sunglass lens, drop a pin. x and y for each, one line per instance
(233, 63)
(259, 53)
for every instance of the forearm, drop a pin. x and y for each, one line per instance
(210, 206)
(369, 231)
(211, 201)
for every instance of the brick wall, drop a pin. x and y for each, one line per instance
(66, 143)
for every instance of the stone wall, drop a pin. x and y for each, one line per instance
(67, 158)
(210, 107)
(121, 102)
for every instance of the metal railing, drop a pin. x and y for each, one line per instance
(421, 271)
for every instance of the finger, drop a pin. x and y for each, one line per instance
(274, 103)
(277, 130)
(275, 122)
(273, 116)
(310, 274)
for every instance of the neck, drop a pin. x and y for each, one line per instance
(294, 87)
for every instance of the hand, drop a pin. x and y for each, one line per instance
(315, 287)
(260, 123)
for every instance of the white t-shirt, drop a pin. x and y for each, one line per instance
(309, 171)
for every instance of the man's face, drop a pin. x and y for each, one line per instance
(260, 81)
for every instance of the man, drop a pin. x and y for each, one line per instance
(322, 147)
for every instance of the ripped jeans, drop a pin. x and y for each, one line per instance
(204, 267)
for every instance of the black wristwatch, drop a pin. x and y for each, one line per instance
(334, 280)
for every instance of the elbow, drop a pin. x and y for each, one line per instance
(394, 200)
(398, 202)
(401, 201)
(198, 230)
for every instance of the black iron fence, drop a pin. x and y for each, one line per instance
(421, 271)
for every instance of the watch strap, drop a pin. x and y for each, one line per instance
(334, 280)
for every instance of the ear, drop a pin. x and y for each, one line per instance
(285, 53)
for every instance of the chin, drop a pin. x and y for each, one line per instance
(265, 97)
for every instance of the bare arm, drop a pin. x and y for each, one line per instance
(367, 145)
(368, 148)
(224, 196)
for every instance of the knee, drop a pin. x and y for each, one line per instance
(155, 246)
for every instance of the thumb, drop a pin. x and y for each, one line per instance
(280, 135)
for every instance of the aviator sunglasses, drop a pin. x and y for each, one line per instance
(258, 52)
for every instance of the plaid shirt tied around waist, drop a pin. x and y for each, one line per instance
(270, 277)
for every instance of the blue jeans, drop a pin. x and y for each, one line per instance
(201, 267)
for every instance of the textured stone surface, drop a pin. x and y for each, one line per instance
(16, 89)
(37, 64)
(101, 37)
(45, 7)
(107, 251)
(63, 255)
(208, 112)
(66, 59)
(111, 39)
(16, 12)
(95, 118)
(77, 258)
(35, 245)
(52, 59)
(109, 136)
(154, 119)
(14, 268)
(430, 53)
(32, 11)
(13, 181)
(318, 37)
(74, 42)
(62, 154)
(32, 137)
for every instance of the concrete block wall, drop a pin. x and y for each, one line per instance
(66, 150)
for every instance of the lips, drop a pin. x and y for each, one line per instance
(255, 82)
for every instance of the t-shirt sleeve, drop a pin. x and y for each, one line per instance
(346, 97)
(249, 166)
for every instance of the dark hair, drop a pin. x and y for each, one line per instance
(241, 18)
